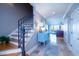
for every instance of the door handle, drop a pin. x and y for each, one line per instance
(78, 39)
(71, 32)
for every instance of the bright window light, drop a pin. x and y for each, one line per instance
(54, 27)
(65, 27)
(53, 39)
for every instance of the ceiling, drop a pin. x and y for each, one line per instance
(48, 10)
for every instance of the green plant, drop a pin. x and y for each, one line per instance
(4, 39)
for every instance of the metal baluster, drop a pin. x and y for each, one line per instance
(21, 34)
(19, 29)
(23, 41)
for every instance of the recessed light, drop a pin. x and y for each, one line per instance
(53, 12)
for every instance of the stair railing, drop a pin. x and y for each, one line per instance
(21, 34)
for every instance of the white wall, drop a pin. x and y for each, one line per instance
(54, 21)
(75, 32)
(72, 35)
(33, 42)
(38, 20)
(65, 30)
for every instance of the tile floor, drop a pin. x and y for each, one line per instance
(56, 47)
(59, 48)
(63, 49)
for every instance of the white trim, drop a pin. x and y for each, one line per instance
(10, 51)
(67, 10)
(15, 43)
(13, 32)
(74, 12)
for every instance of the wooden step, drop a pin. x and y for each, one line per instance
(9, 50)
(7, 46)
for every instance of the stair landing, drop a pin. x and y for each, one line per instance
(9, 50)
(7, 46)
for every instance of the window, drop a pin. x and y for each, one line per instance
(54, 27)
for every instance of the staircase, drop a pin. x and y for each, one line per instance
(28, 34)
(14, 40)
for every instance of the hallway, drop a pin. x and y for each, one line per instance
(41, 30)
(56, 49)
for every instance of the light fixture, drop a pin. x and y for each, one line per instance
(53, 12)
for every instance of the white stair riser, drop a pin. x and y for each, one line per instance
(10, 51)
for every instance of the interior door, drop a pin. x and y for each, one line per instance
(76, 37)
(70, 32)
(75, 33)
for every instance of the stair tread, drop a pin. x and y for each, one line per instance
(10, 51)
(12, 54)
(15, 43)
(15, 34)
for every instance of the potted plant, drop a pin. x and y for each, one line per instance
(4, 39)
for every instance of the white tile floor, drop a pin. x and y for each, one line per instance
(64, 50)
(54, 48)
